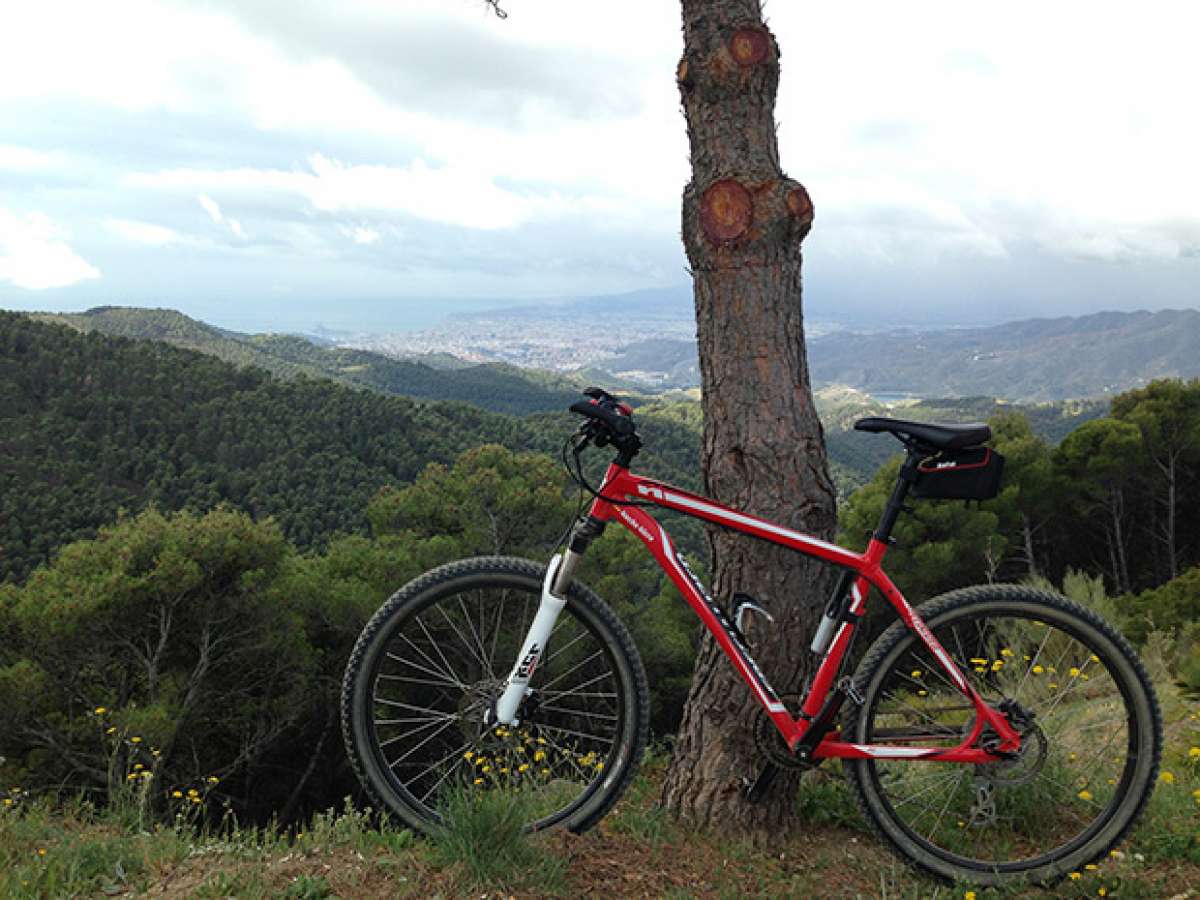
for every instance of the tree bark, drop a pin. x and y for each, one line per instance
(763, 447)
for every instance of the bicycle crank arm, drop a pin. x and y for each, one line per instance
(505, 710)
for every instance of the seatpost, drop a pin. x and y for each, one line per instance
(895, 505)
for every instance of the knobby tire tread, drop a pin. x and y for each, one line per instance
(483, 566)
(856, 770)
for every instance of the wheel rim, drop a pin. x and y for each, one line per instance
(442, 666)
(1080, 750)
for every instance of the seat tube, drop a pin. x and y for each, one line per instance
(895, 505)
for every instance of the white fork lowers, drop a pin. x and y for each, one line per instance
(505, 710)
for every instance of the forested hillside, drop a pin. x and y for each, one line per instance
(91, 425)
(495, 387)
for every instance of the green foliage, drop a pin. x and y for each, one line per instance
(162, 653)
(942, 545)
(495, 387)
(482, 833)
(491, 501)
(1170, 612)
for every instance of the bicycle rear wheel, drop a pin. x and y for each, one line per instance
(1091, 738)
(433, 660)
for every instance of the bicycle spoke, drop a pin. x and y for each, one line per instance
(413, 750)
(595, 655)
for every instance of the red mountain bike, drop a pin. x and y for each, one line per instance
(1001, 734)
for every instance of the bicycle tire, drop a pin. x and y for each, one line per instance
(1084, 795)
(454, 673)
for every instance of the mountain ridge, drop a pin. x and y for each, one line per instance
(1028, 360)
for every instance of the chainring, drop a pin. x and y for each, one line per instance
(770, 742)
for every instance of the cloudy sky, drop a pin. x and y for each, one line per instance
(370, 165)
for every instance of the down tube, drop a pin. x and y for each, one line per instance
(659, 543)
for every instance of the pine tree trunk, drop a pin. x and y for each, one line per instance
(763, 450)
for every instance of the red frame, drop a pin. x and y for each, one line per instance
(619, 483)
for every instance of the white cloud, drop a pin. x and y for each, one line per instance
(143, 232)
(211, 207)
(450, 195)
(34, 256)
(214, 212)
(942, 131)
(25, 159)
(360, 234)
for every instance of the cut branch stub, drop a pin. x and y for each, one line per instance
(800, 205)
(725, 211)
(749, 46)
(681, 74)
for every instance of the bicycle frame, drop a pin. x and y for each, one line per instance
(620, 483)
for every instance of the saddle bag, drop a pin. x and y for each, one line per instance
(970, 474)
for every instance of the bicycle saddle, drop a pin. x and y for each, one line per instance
(940, 437)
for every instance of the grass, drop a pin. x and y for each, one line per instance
(72, 849)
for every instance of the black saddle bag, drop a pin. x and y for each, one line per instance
(970, 474)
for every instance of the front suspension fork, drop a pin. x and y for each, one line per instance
(559, 574)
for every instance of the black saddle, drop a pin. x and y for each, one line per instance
(939, 437)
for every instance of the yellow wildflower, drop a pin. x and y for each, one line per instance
(922, 693)
(1074, 673)
(192, 792)
(478, 781)
(41, 851)
(137, 766)
(979, 661)
(135, 740)
(1194, 753)
(969, 895)
(523, 767)
(916, 673)
(539, 756)
(212, 779)
(176, 794)
(100, 710)
(1085, 795)
(1075, 876)
(1038, 670)
(111, 729)
(1091, 867)
(8, 801)
(1006, 652)
(1102, 890)
(1167, 778)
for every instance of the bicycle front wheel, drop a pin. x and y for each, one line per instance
(1090, 725)
(431, 663)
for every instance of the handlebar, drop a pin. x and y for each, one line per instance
(611, 421)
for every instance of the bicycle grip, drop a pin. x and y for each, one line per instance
(621, 425)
